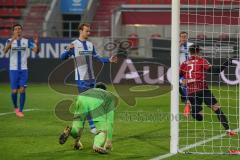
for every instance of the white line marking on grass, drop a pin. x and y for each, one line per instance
(26, 110)
(193, 145)
(163, 156)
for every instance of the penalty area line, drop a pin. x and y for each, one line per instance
(26, 110)
(193, 145)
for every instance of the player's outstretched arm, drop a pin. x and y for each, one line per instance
(112, 59)
(219, 69)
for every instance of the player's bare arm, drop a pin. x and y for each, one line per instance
(8, 46)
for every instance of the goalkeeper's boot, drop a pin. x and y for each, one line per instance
(231, 133)
(108, 145)
(187, 109)
(77, 145)
(99, 150)
(64, 136)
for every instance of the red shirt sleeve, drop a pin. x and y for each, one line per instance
(206, 64)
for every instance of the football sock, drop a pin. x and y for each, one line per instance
(22, 101)
(197, 116)
(222, 118)
(14, 99)
(90, 121)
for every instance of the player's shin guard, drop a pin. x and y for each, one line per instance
(22, 101)
(222, 118)
(14, 99)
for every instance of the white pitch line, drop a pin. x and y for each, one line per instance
(192, 146)
(26, 110)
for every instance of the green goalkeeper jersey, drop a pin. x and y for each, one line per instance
(100, 104)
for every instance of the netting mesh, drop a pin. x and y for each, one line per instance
(215, 26)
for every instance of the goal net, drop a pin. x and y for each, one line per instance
(215, 26)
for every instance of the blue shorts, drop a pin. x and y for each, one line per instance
(18, 78)
(84, 85)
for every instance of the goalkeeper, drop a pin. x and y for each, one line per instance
(100, 104)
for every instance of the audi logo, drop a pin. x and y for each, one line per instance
(237, 73)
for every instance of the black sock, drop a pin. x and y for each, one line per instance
(222, 118)
(197, 116)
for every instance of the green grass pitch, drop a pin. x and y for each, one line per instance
(140, 132)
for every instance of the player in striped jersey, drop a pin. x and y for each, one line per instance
(184, 55)
(83, 52)
(17, 47)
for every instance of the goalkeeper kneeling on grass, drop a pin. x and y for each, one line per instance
(193, 71)
(100, 104)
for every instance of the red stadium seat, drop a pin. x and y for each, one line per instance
(132, 2)
(16, 12)
(146, 2)
(5, 33)
(8, 23)
(5, 12)
(167, 1)
(9, 3)
(21, 3)
(2, 3)
(2, 23)
(156, 1)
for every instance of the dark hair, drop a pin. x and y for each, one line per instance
(15, 25)
(80, 27)
(101, 86)
(183, 32)
(194, 48)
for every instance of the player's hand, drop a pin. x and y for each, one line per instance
(229, 62)
(69, 47)
(184, 82)
(14, 37)
(181, 43)
(113, 59)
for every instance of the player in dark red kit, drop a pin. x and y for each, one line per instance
(193, 70)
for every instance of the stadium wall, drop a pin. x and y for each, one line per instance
(128, 70)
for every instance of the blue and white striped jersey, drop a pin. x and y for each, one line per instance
(19, 53)
(83, 54)
(184, 52)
